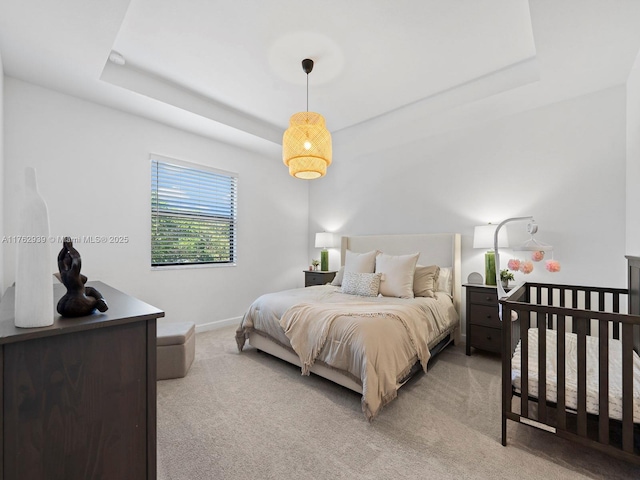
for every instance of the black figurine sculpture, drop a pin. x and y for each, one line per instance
(79, 299)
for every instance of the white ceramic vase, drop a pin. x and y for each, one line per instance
(34, 285)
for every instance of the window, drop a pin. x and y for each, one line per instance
(193, 214)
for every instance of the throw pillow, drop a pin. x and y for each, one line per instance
(425, 280)
(360, 262)
(397, 274)
(337, 280)
(363, 284)
(445, 280)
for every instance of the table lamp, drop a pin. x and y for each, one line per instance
(483, 238)
(324, 240)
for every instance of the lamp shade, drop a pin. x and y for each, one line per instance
(324, 240)
(483, 237)
(306, 146)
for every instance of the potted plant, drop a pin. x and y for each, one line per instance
(505, 276)
(315, 264)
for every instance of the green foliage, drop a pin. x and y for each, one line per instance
(506, 275)
(180, 240)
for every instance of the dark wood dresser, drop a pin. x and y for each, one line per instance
(483, 326)
(79, 397)
(317, 277)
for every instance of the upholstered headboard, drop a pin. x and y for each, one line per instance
(442, 249)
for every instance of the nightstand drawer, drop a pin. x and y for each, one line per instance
(484, 315)
(483, 298)
(486, 338)
(312, 278)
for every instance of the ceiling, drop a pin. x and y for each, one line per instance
(231, 69)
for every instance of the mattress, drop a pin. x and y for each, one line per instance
(571, 375)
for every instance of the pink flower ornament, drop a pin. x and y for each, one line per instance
(537, 256)
(553, 266)
(526, 267)
(514, 264)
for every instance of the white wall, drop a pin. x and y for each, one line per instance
(564, 164)
(633, 160)
(94, 173)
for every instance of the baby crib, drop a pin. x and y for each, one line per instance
(574, 363)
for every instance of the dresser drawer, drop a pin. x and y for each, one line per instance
(486, 338)
(483, 298)
(484, 315)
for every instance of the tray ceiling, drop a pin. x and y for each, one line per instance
(231, 69)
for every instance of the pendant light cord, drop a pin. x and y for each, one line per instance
(307, 93)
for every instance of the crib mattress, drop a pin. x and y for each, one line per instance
(571, 375)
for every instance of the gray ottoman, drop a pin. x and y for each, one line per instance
(176, 349)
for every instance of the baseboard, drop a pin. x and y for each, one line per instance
(218, 324)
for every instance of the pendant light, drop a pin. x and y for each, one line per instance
(306, 144)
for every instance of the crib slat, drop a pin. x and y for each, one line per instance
(616, 309)
(574, 304)
(524, 366)
(627, 387)
(548, 290)
(542, 373)
(582, 375)
(601, 301)
(603, 387)
(562, 407)
(587, 306)
(507, 353)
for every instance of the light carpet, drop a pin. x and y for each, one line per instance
(251, 416)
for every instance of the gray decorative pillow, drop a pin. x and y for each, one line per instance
(363, 284)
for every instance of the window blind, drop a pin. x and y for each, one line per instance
(193, 214)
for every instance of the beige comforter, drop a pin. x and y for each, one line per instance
(376, 340)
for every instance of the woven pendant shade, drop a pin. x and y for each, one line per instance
(306, 146)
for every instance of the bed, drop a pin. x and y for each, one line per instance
(574, 368)
(370, 345)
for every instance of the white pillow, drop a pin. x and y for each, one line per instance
(360, 262)
(445, 280)
(337, 280)
(364, 284)
(397, 274)
(425, 280)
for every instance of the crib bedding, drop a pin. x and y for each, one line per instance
(374, 339)
(615, 372)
